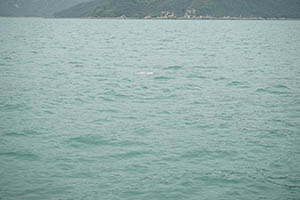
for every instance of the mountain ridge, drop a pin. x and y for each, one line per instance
(184, 8)
(34, 8)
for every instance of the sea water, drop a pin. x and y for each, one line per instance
(149, 109)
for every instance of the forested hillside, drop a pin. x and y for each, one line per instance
(181, 8)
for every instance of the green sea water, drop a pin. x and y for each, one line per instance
(149, 109)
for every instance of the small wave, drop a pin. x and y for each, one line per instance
(163, 112)
(173, 67)
(20, 134)
(100, 121)
(260, 90)
(278, 177)
(101, 79)
(89, 140)
(31, 132)
(142, 130)
(237, 83)
(13, 134)
(106, 98)
(196, 76)
(280, 86)
(75, 63)
(49, 112)
(126, 143)
(270, 91)
(205, 154)
(200, 102)
(79, 100)
(219, 79)
(79, 65)
(20, 155)
(132, 154)
(162, 78)
(234, 83)
(205, 67)
(7, 58)
(282, 181)
(108, 110)
(14, 107)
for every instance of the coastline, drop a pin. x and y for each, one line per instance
(198, 18)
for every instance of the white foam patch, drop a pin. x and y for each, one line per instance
(146, 73)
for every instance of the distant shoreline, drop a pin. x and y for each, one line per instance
(188, 19)
(161, 18)
(197, 18)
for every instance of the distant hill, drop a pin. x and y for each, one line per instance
(187, 8)
(34, 8)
